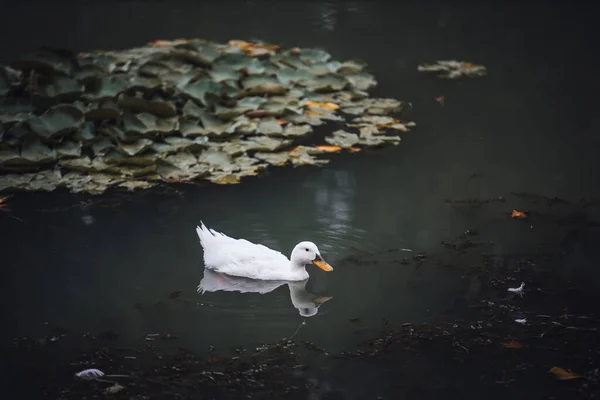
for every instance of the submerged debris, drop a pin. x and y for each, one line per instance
(176, 111)
(454, 69)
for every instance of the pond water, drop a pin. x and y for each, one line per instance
(529, 125)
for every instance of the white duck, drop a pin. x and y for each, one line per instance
(239, 257)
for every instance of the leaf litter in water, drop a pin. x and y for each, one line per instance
(452, 69)
(563, 375)
(179, 111)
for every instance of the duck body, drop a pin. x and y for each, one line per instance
(242, 258)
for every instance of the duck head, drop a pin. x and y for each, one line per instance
(308, 253)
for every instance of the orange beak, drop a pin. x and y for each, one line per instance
(319, 262)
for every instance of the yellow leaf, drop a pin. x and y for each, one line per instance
(518, 214)
(161, 43)
(319, 104)
(353, 149)
(329, 149)
(254, 49)
(227, 180)
(562, 374)
(312, 112)
(512, 344)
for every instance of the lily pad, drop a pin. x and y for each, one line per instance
(102, 145)
(297, 130)
(452, 69)
(261, 85)
(61, 88)
(204, 91)
(57, 121)
(269, 126)
(104, 110)
(328, 83)
(239, 62)
(46, 61)
(343, 139)
(135, 148)
(145, 124)
(361, 80)
(155, 106)
(190, 127)
(109, 87)
(181, 144)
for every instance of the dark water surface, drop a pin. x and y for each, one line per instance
(530, 125)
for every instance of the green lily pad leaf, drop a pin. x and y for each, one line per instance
(136, 184)
(191, 56)
(208, 52)
(359, 110)
(61, 88)
(250, 103)
(343, 139)
(78, 164)
(303, 155)
(452, 69)
(134, 148)
(14, 181)
(376, 140)
(224, 178)
(182, 161)
(222, 73)
(350, 67)
(109, 87)
(313, 56)
(191, 109)
(212, 125)
(8, 119)
(114, 157)
(297, 130)
(261, 85)
(328, 83)
(361, 80)
(101, 146)
(104, 110)
(154, 69)
(89, 73)
(146, 124)
(374, 120)
(204, 91)
(292, 76)
(136, 171)
(243, 124)
(239, 62)
(68, 149)
(216, 159)
(310, 119)
(181, 144)
(190, 127)
(17, 133)
(155, 106)
(57, 121)
(369, 130)
(46, 61)
(269, 126)
(148, 86)
(227, 113)
(10, 157)
(277, 159)
(44, 181)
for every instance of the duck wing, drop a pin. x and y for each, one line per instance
(239, 257)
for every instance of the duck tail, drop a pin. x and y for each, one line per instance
(204, 234)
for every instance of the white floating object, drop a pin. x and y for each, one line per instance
(521, 321)
(517, 290)
(91, 373)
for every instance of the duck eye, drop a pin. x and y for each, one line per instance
(306, 249)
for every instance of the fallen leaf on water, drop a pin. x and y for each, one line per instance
(518, 214)
(319, 104)
(254, 49)
(563, 375)
(329, 149)
(282, 122)
(353, 149)
(116, 388)
(312, 112)
(512, 344)
(440, 99)
(168, 42)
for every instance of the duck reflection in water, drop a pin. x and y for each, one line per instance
(306, 303)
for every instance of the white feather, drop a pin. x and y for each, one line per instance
(91, 373)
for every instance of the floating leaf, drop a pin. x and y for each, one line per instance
(254, 49)
(269, 126)
(329, 149)
(343, 139)
(317, 104)
(518, 214)
(156, 106)
(453, 69)
(563, 375)
(512, 344)
(57, 121)
(137, 147)
(116, 388)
